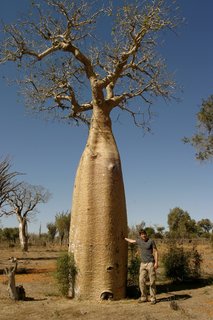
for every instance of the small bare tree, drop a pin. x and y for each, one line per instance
(23, 203)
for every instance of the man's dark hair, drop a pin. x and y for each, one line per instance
(142, 231)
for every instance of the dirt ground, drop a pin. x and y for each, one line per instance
(43, 302)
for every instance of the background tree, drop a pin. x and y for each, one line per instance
(180, 223)
(159, 232)
(150, 231)
(202, 141)
(10, 234)
(7, 180)
(52, 230)
(62, 223)
(23, 203)
(69, 70)
(206, 225)
(133, 231)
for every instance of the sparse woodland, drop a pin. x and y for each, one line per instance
(59, 53)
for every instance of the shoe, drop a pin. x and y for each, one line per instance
(142, 300)
(153, 302)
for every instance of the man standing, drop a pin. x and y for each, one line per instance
(149, 265)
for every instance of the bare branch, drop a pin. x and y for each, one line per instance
(7, 181)
(67, 66)
(24, 200)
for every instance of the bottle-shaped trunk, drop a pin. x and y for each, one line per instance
(98, 217)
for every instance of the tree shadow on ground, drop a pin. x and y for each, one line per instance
(33, 299)
(185, 285)
(174, 297)
(38, 258)
(133, 291)
(24, 270)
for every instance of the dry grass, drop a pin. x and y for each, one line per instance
(192, 301)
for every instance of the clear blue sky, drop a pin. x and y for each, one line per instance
(160, 172)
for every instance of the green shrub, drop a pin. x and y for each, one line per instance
(176, 264)
(65, 274)
(195, 264)
(180, 265)
(133, 270)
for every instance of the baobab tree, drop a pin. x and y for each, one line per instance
(72, 71)
(23, 203)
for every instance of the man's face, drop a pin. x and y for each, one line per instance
(144, 236)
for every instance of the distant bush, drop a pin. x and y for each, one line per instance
(65, 274)
(195, 264)
(180, 264)
(10, 235)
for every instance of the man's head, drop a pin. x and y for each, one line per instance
(143, 234)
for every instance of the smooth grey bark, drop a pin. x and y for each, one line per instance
(23, 233)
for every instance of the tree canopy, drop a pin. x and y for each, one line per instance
(180, 223)
(24, 200)
(61, 53)
(206, 225)
(202, 140)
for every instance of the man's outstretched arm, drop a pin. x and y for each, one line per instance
(130, 240)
